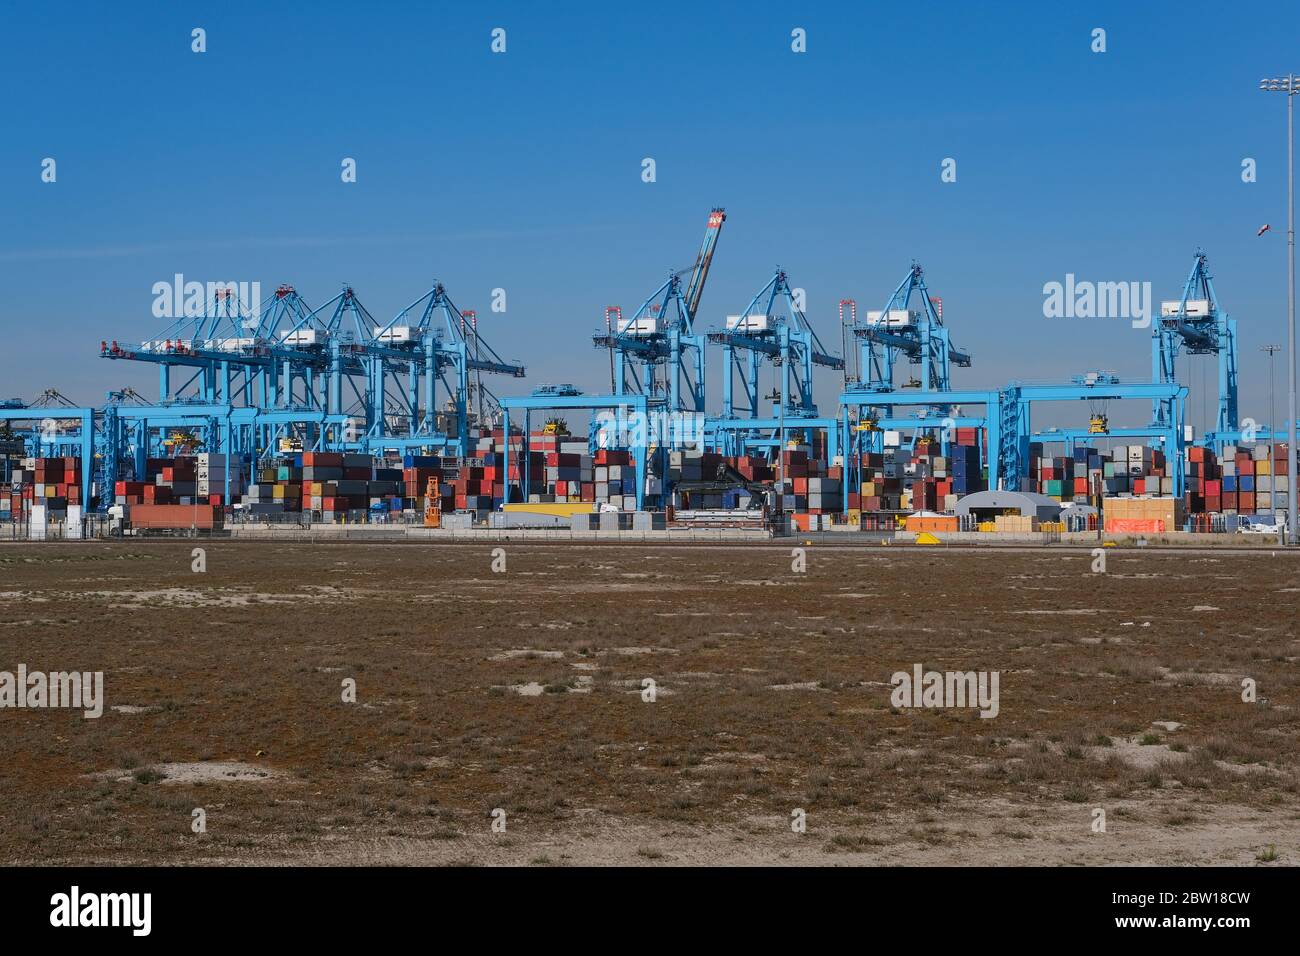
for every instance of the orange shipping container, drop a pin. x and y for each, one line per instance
(1134, 525)
(174, 516)
(932, 523)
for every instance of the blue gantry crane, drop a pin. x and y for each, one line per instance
(295, 366)
(455, 355)
(772, 327)
(910, 325)
(1195, 323)
(656, 352)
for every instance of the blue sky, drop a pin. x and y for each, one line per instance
(522, 170)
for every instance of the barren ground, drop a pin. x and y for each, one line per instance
(1119, 691)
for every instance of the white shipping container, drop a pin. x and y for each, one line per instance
(646, 325)
(894, 319)
(228, 345)
(749, 323)
(36, 525)
(397, 335)
(1196, 308)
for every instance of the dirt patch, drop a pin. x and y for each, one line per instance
(770, 696)
(216, 771)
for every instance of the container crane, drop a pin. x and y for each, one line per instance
(912, 330)
(772, 326)
(786, 338)
(656, 352)
(451, 348)
(909, 326)
(1195, 323)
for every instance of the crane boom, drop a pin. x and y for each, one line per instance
(695, 289)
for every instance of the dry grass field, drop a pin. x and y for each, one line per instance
(1119, 691)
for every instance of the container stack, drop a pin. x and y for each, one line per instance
(880, 488)
(814, 488)
(276, 490)
(212, 474)
(51, 481)
(476, 487)
(615, 477)
(1076, 477)
(384, 490)
(416, 472)
(932, 481)
(175, 481)
(1242, 480)
(54, 483)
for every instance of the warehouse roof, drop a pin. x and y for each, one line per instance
(1026, 502)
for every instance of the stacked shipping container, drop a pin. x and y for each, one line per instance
(54, 483)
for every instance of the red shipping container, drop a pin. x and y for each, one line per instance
(174, 516)
(1213, 488)
(1246, 501)
(588, 491)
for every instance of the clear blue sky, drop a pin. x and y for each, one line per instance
(522, 170)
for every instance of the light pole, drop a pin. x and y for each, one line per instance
(1290, 86)
(780, 459)
(1272, 424)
